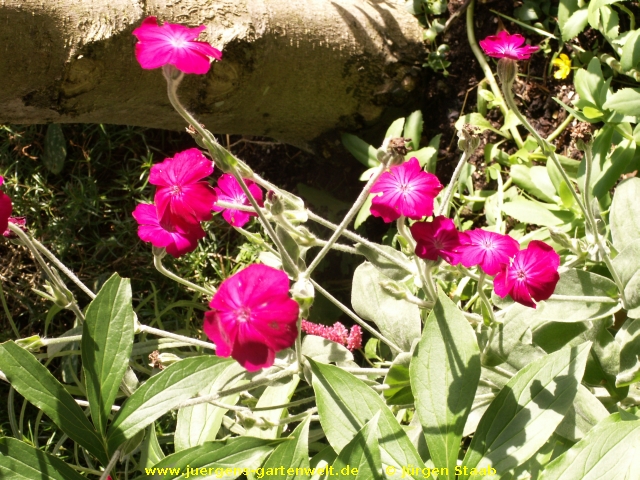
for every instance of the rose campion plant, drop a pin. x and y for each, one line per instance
(431, 359)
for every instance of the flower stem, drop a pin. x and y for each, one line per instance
(548, 150)
(346, 220)
(161, 333)
(486, 69)
(110, 465)
(157, 262)
(8, 313)
(446, 199)
(484, 298)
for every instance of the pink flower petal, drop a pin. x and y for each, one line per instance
(6, 207)
(504, 45)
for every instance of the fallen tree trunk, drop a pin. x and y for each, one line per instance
(291, 70)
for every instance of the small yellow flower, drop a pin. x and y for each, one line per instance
(564, 66)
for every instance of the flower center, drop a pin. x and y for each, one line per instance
(521, 275)
(175, 190)
(243, 314)
(486, 243)
(405, 188)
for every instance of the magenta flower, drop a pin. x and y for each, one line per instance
(230, 191)
(20, 222)
(438, 238)
(504, 45)
(532, 275)
(488, 250)
(172, 44)
(337, 333)
(406, 190)
(176, 239)
(6, 207)
(252, 317)
(182, 196)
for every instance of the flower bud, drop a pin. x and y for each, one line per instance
(274, 204)
(507, 71)
(303, 293)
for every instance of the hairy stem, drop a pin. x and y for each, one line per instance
(157, 262)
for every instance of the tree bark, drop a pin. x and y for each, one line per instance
(291, 69)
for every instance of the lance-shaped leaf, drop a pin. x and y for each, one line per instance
(237, 454)
(398, 320)
(21, 461)
(627, 265)
(609, 450)
(200, 423)
(625, 217)
(445, 371)
(162, 393)
(293, 453)
(629, 340)
(346, 404)
(35, 383)
(527, 411)
(362, 453)
(107, 339)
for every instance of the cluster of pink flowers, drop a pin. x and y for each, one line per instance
(526, 275)
(252, 316)
(337, 333)
(183, 200)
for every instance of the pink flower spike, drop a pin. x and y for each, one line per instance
(177, 239)
(182, 196)
(20, 222)
(230, 191)
(504, 45)
(173, 44)
(488, 250)
(252, 317)
(532, 275)
(337, 333)
(406, 190)
(438, 238)
(6, 207)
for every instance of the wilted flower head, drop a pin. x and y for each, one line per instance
(172, 44)
(488, 250)
(504, 45)
(6, 207)
(20, 222)
(182, 196)
(406, 191)
(337, 333)
(177, 239)
(230, 191)
(438, 238)
(252, 317)
(532, 275)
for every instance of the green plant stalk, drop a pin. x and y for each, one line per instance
(264, 221)
(16, 332)
(140, 328)
(446, 199)
(61, 266)
(356, 318)
(110, 465)
(484, 298)
(586, 212)
(258, 382)
(632, 16)
(354, 237)
(486, 69)
(157, 262)
(355, 208)
(500, 203)
(556, 133)
(424, 267)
